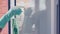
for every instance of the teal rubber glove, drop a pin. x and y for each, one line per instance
(12, 12)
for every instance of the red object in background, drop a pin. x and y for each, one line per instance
(3, 10)
(3, 6)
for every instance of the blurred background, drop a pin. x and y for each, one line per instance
(38, 16)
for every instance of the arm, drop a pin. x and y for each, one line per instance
(12, 12)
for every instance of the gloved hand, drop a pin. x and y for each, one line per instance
(6, 17)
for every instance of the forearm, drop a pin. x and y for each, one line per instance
(5, 19)
(8, 16)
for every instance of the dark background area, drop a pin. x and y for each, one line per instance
(58, 17)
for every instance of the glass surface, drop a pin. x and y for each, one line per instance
(36, 17)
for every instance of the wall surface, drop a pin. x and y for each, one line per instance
(3, 10)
